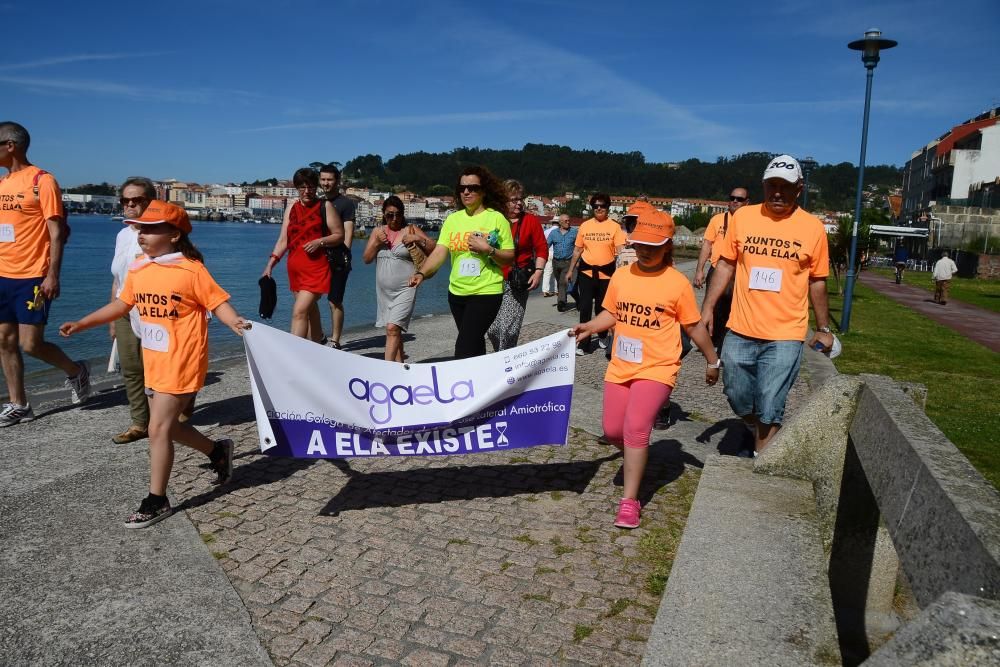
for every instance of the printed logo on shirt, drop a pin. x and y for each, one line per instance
(11, 202)
(639, 315)
(769, 246)
(598, 236)
(152, 305)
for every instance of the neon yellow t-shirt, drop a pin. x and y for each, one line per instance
(471, 272)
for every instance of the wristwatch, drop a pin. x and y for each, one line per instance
(824, 330)
(717, 364)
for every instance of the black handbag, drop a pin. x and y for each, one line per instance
(518, 276)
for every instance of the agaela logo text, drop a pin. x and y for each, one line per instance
(383, 397)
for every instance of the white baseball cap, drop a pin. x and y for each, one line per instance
(784, 167)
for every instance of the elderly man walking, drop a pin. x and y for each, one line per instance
(778, 253)
(711, 246)
(135, 194)
(32, 234)
(944, 269)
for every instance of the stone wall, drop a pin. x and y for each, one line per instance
(989, 267)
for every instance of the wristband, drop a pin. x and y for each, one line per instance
(717, 365)
(420, 273)
(275, 258)
(824, 330)
(493, 251)
(539, 268)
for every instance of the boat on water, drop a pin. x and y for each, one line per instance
(117, 218)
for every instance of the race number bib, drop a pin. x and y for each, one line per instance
(470, 267)
(628, 349)
(768, 280)
(6, 233)
(155, 337)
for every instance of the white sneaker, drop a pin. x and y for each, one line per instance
(579, 352)
(79, 386)
(602, 343)
(12, 414)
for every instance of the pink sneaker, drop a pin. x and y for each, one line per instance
(628, 513)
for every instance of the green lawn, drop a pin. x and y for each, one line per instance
(962, 377)
(982, 293)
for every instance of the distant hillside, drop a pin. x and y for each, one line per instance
(554, 170)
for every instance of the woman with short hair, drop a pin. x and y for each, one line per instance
(598, 242)
(304, 235)
(531, 251)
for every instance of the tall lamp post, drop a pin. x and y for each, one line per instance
(869, 47)
(807, 164)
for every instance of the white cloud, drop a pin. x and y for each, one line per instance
(94, 87)
(428, 119)
(78, 58)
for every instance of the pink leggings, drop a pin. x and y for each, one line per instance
(630, 410)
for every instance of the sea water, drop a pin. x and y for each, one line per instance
(235, 255)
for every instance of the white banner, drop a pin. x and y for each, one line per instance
(317, 402)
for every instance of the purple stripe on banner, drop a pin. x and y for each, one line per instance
(536, 417)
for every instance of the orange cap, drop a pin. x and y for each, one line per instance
(638, 207)
(159, 212)
(653, 228)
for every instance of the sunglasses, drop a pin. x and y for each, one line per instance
(133, 201)
(599, 205)
(739, 199)
(471, 187)
(391, 215)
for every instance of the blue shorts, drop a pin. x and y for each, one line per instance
(21, 301)
(758, 374)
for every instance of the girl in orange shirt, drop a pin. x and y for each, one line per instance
(172, 290)
(647, 303)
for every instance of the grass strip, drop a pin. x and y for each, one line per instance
(658, 546)
(962, 377)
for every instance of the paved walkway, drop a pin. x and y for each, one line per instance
(975, 323)
(507, 558)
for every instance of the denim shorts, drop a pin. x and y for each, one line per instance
(20, 301)
(758, 374)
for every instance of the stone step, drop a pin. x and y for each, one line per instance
(748, 584)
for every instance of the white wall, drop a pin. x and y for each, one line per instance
(977, 166)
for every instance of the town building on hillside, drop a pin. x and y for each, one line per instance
(943, 172)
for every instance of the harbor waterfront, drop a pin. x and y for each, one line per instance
(235, 254)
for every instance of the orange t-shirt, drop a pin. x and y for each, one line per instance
(600, 241)
(650, 309)
(775, 258)
(24, 232)
(171, 300)
(715, 235)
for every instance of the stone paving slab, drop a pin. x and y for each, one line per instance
(505, 558)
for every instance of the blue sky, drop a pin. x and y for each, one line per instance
(226, 90)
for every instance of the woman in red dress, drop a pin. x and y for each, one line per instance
(304, 235)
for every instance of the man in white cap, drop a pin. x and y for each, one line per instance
(778, 253)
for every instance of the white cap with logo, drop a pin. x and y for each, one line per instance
(784, 167)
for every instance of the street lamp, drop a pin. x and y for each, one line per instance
(869, 47)
(807, 164)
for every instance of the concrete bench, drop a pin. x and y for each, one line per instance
(748, 585)
(798, 556)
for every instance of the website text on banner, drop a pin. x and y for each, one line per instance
(318, 402)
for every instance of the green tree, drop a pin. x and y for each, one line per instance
(840, 241)
(573, 208)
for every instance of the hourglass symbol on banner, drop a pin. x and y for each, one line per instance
(502, 441)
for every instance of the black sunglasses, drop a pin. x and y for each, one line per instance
(739, 199)
(598, 205)
(391, 215)
(133, 201)
(471, 187)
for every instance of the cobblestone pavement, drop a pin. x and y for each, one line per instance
(507, 558)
